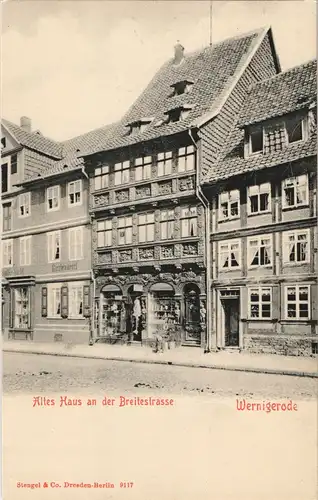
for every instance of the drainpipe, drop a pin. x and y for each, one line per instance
(91, 340)
(207, 212)
(84, 172)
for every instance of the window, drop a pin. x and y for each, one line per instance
(54, 246)
(295, 191)
(178, 114)
(3, 142)
(138, 127)
(14, 164)
(229, 205)
(102, 177)
(21, 306)
(164, 163)
(186, 159)
(294, 129)
(24, 204)
(296, 246)
(25, 250)
(259, 303)
(183, 87)
(124, 230)
(256, 141)
(7, 246)
(259, 198)
(259, 251)
(75, 193)
(54, 300)
(146, 227)
(297, 302)
(166, 224)
(7, 217)
(143, 168)
(4, 178)
(104, 233)
(189, 222)
(53, 198)
(76, 300)
(121, 173)
(76, 243)
(230, 254)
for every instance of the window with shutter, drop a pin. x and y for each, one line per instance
(44, 302)
(64, 301)
(86, 294)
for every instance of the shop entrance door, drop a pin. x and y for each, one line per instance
(232, 321)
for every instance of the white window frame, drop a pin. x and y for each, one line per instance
(303, 132)
(287, 243)
(101, 176)
(164, 164)
(252, 153)
(75, 251)
(229, 197)
(188, 219)
(143, 168)
(18, 311)
(297, 302)
(229, 244)
(148, 227)
(167, 218)
(69, 187)
(250, 255)
(121, 173)
(186, 159)
(260, 290)
(292, 181)
(48, 197)
(6, 254)
(105, 228)
(54, 296)
(24, 200)
(26, 250)
(75, 290)
(258, 190)
(124, 227)
(51, 237)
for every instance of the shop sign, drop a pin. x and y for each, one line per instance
(138, 288)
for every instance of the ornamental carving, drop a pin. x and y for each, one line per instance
(105, 258)
(167, 252)
(186, 184)
(147, 253)
(189, 249)
(164, 188)
(143, 192)
(124, 255)
(102, 199)
(122, 195)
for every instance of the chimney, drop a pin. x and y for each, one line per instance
(25, 123)
(178, 53)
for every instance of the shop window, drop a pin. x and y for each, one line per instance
(146, 227)
(260, 251)
(260, 303)
(186, 159)
(21, 305)
(7, 250)
(24, 202)
(229, 205)
(192, 312)
(75, 193)
(121, 173)
(296, 246)
(164, 310)
(164, 162)
(112, 320)
(6, 217)
(25, 250)
(295, 191)
(54, 246)
(53, 198)
(230, 254)
(295, 129)
(124, 230)
(259, 198)
(101, 179)
(104, 233)
(143, 168)
(189, 222)
(166, 224)
(256, 141)
(297, 298)
(75, 243)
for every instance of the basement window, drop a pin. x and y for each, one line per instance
(314, 348)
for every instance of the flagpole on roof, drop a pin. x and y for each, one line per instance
(211, 12)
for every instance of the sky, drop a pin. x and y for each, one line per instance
(72, 66)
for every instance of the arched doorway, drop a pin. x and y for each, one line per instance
(136, 312)
(191, 320)
(112, 312)
(164, 310)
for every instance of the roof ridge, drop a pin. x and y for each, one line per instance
(5, 120)
(108, 125)
(283, 73)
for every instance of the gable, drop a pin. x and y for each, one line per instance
(11, 143)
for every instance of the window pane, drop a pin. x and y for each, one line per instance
(257, 141)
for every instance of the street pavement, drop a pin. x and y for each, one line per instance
(200, 447)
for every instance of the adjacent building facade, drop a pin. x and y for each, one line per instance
(192, 218)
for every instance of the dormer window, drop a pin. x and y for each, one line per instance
(256, 141)
(3, 142)
(178, 114)
(295, 129)
(182, 87)
(138, 127)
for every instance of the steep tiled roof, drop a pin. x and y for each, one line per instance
(281, 94)
(34, 140)
(89, 140)
(212, 70)
(256, 108)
